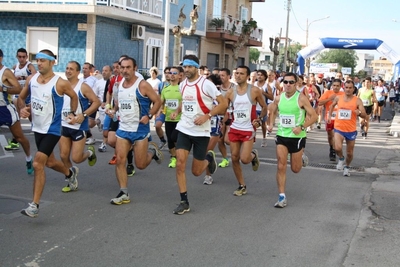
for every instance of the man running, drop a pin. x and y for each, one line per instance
(291, 135)
(326, 100)
(368, 98)
(134, 99)
(47, 92)
(349, 107)
(244, 98)
(198, 96)
(73, 137)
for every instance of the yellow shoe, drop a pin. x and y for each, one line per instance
(172, 163)
(224, 163)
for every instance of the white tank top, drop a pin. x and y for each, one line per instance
(22, 72)
(243, 111)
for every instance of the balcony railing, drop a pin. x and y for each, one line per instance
(149, 7)
(233, 26)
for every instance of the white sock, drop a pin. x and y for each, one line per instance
(90, 153)
(282, 194)
(28, 158)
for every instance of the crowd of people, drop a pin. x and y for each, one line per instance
(199, 109)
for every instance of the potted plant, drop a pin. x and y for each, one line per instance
(217, 23)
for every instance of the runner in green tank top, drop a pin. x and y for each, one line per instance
(368, 98)
(291, 135)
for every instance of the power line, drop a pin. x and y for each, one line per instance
(294, 14)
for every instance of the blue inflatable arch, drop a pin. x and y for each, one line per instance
(348, 43)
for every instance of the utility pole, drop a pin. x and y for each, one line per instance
(289, 4)
(166, 35)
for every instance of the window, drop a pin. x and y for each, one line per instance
(174, 2)
(217, 9)
(244, 14)
(39, 38)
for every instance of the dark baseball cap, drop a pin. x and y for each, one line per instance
(1, 53)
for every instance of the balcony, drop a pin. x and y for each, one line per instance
(228, 29)
(151, 8)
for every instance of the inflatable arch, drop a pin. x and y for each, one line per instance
(348, 43)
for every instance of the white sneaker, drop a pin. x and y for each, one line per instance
(346, 171)
(264, 142)
(99, 125)
(102, 147)
(208, 180)
(340, 165)
(90, 141)
(305, 160)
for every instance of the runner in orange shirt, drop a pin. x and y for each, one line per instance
(349, 107)
(326, 100)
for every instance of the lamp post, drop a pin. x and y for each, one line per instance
(289, 4)
(308, 26)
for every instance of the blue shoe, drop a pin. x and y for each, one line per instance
(29, 167)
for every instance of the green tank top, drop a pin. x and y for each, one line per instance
(366, 97)
(173, 98)
(290, 116)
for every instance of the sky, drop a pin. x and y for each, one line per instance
(347, 19)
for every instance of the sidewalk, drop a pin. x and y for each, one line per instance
(377, 239)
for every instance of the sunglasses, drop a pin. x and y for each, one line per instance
(172, 72)
(289, 82)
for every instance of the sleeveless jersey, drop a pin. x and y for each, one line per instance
(346, 119)
(274, 91)
(173, 98)
(22, 72)
(366, 96)
(83, 104)
(132, 106)
(264, 88)
(4, 101)
(290, 116)
(46, 106)
(327, 94)
(244, 110)
(197, 100)
(378, 93)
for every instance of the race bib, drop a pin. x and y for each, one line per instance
(190, 107)
(125, 105)
(287, 121)
(365, 102)
(39, 106)
(242, 115)
(344, 114)
(172, 103)
(213, 121)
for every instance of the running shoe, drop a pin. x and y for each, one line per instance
(224, 163)
(12, 145)
(304, 158)
(172, 162)
(113, 161)
(90, 141)
(208, 180)
(93, 158)
(269, 133)
(130, 170)
(162, 144)
(282, 202)
(99, 125)
(29, 167)
(255, 162)
(346, 171)
(264, 142)
(212, 163)
(31, 211)
(121, 198)
(241, 190)
(158, 155)
(318, 126)
(340, 164)
(332, 155)
(182, 208)
(72, 181)
(102, 147)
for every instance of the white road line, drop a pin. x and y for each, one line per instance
(3, 142)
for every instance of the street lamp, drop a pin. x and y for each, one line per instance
(308, 26)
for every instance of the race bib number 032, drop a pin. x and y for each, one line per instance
(287, 121)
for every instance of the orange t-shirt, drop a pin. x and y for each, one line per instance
(346, 118)
(327, 94)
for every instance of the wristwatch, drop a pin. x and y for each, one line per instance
(302, 127)
(150, 116)
(84, 114)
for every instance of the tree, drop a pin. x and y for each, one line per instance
(178, 31)
(254, 55)
(292, 55)
(274, 47)
(345, 58)
(243, 39)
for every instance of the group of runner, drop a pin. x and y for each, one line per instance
(199, 112)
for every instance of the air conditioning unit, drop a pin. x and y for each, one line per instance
(138, 32)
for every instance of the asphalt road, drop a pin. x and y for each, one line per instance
(83, 229)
